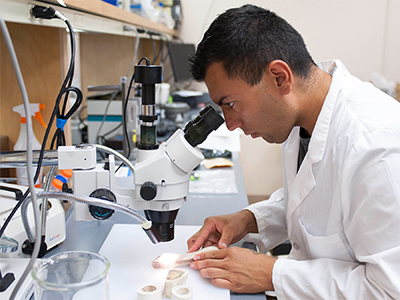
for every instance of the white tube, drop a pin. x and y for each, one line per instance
(149, 292)
(29, 167)
(117, 154)
(82, 199)
(181, 292)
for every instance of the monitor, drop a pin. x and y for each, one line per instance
(179, 54)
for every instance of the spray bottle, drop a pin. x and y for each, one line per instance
(21, 144)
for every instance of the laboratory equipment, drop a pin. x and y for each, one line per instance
(161, 173)
(106, 114)
(16, 266)
(7, 245)
(77, 275)
(55, 230)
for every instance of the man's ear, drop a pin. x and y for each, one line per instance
(282, 76)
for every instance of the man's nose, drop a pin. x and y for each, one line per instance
(232, 123)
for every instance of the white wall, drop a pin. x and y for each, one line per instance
(262, 166)
(364, 34)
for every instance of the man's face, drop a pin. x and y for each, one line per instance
(259, 110)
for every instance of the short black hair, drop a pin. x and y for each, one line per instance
(246, 39)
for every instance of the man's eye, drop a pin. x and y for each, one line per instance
(230, 104)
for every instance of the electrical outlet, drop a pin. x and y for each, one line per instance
(30, 14)
(79, 20)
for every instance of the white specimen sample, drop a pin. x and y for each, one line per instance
(149, 292)
(170, 260)
(181, 292)
(174, 278)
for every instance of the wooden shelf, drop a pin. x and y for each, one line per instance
(87, 15)
(41, 46)
(107, 10)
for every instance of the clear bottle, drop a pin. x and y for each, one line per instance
(137, 9)
(165, 17)
(150, 10)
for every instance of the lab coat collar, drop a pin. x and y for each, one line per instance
(301, 183)
(320, 133)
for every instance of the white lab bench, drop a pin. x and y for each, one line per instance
(89, 236)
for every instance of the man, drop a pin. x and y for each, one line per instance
(340, 201)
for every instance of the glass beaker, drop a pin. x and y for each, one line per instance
(76, 275)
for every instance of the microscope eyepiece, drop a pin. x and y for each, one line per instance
(196, 131)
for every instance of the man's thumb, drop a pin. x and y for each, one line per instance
(224, 242)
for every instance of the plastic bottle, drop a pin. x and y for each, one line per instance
(150, 10)
(165, 17)
(21, 144)
(136, 8)
(161, 13)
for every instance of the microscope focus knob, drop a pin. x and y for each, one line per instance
(98, 212)
(148, 191)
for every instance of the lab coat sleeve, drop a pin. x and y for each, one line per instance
(370, 195)
(270, 216)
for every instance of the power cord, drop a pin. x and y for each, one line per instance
(24, 94)
(125, 109)
(47, 13)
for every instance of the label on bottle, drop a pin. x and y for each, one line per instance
(22, 177)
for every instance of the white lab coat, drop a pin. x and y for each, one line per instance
(341, 211)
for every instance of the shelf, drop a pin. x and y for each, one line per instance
(87, 15)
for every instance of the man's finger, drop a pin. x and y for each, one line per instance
(214, 254)
(226, 239)
(192, 240)
(198, 239)
(221, 282)
(209, 243)
(210, 259)
(212, 273)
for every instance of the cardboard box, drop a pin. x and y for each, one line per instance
(397, 97)
(4, 146)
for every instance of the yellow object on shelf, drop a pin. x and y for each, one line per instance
(217, 163)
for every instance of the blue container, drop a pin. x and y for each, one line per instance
(113, 2)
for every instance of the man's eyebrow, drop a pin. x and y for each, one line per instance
(221, 100)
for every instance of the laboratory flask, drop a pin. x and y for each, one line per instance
(73, 275)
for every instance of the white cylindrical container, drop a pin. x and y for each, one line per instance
(181, 292)
(149, 292)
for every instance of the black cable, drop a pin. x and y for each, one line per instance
(125, 109)
(48, 13)
(59, 135)
(124, 112)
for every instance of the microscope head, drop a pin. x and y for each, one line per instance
(175, 160)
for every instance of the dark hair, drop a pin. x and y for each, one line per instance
(246, 40)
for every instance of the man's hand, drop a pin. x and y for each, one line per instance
(237, 269)
(223, 230)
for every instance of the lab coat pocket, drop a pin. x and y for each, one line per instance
(325, 246)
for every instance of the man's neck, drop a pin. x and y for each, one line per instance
(312, 97)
